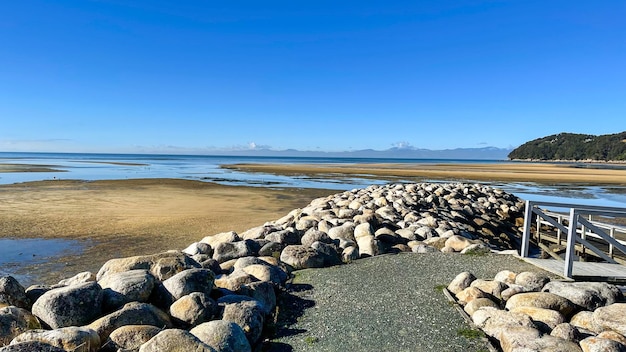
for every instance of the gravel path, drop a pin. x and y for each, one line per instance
(385, 303)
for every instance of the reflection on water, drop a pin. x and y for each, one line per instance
(17, 254)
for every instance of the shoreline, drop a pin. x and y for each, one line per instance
(508, 172)
(120, 218)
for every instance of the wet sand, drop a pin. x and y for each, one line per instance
(592, 174)
(133, 217)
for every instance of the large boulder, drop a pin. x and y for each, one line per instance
(543, 300)
(461, 282)
(125, 287)
(188, 281)
(218, 238)
(133, 313)
(544, 319)
(494, 321)
(80, 278)
(301, 257)
(234, 281)
(262, 292)
(249, 315)
(31, 346)
(162, 265)
(611, 317)
(598, 344)
(69, 306)
(223, 336)
(71, 338)
(12, 293)
(14, 321)
(529, 339)
(588, 295)
(193, 309)
(226, 251)
(130, 337)
(175, 340)
(531, 281)
(265, 272)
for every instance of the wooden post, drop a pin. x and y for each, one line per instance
(612, 234)
(571, 243)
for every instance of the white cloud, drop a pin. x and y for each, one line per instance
(402, 145)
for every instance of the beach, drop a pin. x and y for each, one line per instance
(112, 219)
(592, 174)
(118, 218)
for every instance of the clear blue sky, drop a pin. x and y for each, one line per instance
(153, 76)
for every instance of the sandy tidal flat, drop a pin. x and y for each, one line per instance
(134, 217)
(593, 174)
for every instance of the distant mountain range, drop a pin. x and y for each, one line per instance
(486, 153)
(573, 146)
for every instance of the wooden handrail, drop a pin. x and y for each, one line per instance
(589, 228)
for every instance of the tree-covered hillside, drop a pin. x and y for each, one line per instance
(572, 146)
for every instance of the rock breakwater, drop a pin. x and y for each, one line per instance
(219, 293)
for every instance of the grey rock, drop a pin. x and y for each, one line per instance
(529, 339)
(175, 340)
(611, 317)
(12, 323)
(193, 309)
(234, 281)
(479, 303)
(130, 338)
(598, 344)
(543, 300)
(265, 272)
(506, 276)
(301, 257)
(232, 250)
(461, 282)
(531, 281)
(285, 237)
(249, 315)
(544, 319)
(125, 287)
(566, 331)
(223, 237)
(314, 235)
(69, 338)
(271, 249)
(345, 232)
(188, 281)
(263, 292)
(133, 313)
(12, 293)
(80, 278)
(329, 253)
(588, 295)
(35, 291)
(494, 321)
(223, 336)
(32, 346)
(247, 261)
(69, 306)
(199, 248)
(162, 265)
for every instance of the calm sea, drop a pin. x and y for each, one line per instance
(207, 168)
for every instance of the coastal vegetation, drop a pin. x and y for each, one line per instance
(573, 146)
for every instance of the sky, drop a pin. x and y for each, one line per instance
(200, 75)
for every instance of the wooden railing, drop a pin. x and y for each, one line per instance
(578, 230)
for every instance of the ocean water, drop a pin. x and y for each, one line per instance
(207, 168)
